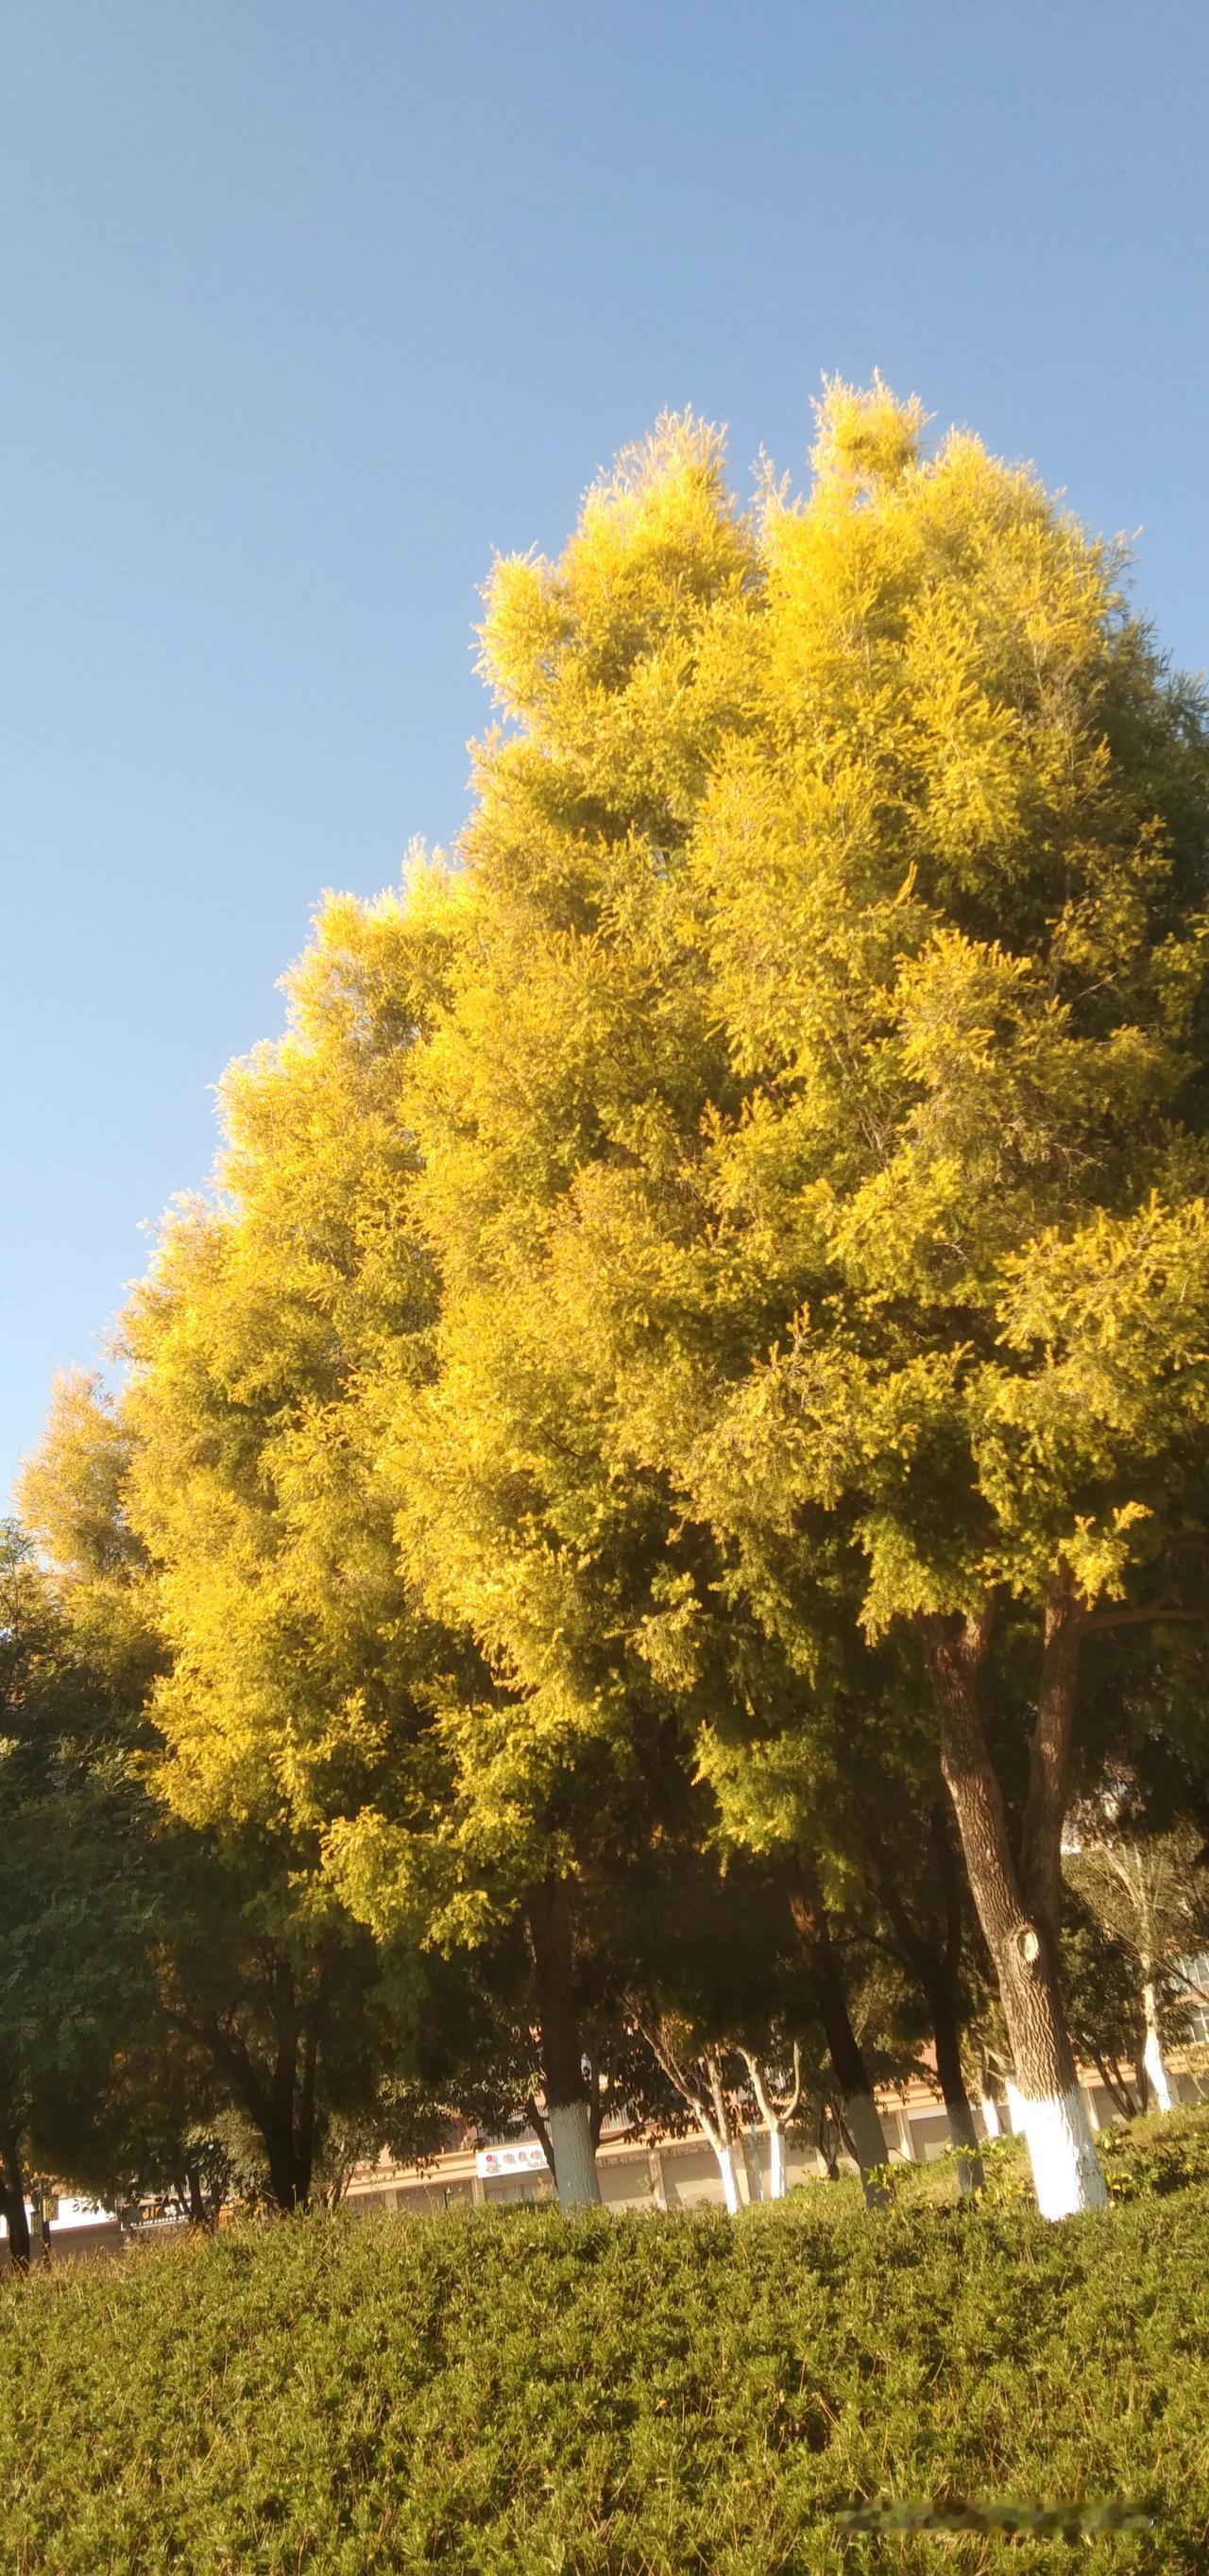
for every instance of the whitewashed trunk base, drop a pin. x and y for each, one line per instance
(1066, 2169)
(776, 2164)
(992, 2124)
(728, 2167)
(575, 2175)
(1152, 2055)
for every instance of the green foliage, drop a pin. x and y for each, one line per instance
(1160, 2155)
(75, 1894)
(518, 2393)
(1103, 2003)
(1006, 2179)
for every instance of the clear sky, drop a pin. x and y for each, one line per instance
(313, 303)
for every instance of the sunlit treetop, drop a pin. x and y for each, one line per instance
(819, 1132)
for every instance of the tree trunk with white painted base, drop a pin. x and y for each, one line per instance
(1152, 2056)
(568, 2109)
(777, 2113)
(697, 2075)
(855, 2105)
(1051, 2106)
(776, 2162)
(724, 2157)
(1018, 1908)
(575, 2175)
(722, 2132)
(752, 2174)
(865, 2139)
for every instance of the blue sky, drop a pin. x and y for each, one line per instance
(310, 307)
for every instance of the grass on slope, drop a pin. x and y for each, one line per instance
(520, 2393)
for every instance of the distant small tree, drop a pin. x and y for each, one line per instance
(1149, 1893)
(1104, 2006)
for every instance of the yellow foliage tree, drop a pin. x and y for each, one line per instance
(812, 1141)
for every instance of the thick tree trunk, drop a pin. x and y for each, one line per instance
(1018, 1910)
(568, 2107)
(289, 2170)
(1152, 2055)
(859, 2109)
(12, 2201)
(20, 2243)
(575, 2175)
(281, 2111)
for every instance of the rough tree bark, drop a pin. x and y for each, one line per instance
(12, 2198)
(44, 2222)
(568, 2112)
(1019, 1901)
(858, 2107)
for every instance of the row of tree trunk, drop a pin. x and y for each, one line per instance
(569, 2125)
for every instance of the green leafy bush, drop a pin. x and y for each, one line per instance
(1157, 2155)
(520, 2393)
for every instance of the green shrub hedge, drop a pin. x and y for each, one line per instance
(513, 2392)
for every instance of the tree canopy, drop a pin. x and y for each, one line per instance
(702, 1321)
